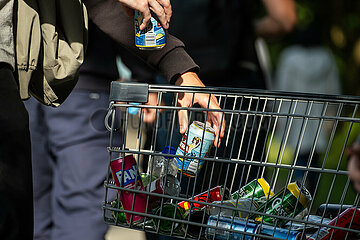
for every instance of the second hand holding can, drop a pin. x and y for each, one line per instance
(153, 37)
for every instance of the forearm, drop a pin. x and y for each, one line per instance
(280, 19)
(172, 60)
(268, 27)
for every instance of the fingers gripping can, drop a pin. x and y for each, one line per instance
(152, 37)
(289, 202)
(257, 188)
(129, 178)
(196, 143)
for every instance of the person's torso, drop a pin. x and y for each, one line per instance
(216, 33)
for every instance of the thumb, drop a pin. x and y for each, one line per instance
(183, 120)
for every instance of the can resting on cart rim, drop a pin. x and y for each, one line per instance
(196, 142)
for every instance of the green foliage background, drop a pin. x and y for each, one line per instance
(339, 22)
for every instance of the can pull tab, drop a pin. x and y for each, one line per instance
(129, 92)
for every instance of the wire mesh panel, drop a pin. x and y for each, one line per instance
(279, 171)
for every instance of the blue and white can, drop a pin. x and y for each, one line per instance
(227, 223)
(152, 37)
(196, 143)
(277, 232)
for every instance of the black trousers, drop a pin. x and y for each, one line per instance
(16, 197)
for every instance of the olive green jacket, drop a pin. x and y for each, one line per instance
(51, 38)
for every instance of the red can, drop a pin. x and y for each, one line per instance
(350, 219)
(210, 196)
(130, 179)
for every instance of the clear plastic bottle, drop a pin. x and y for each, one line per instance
(170, 164)
(155, 166)
(161, 165)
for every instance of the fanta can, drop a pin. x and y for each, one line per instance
(129, 178)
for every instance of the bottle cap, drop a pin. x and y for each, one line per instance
(169, 150)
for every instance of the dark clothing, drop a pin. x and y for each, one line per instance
(70, 166)
(172, 60)
(16, 202)
(69, 155)
(219, 36)
(99, 67)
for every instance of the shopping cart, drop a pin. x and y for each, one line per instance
(279, 173)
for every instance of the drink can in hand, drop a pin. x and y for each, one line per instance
(153, 37)
(196, 142)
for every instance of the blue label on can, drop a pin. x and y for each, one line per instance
(131, 177)
(153, 36)
(277, 232)
(227, 223)
(193, 145)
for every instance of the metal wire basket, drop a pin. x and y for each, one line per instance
(279, 173)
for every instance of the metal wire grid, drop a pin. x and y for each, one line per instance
(276, 114)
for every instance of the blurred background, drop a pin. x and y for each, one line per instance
(339, 30)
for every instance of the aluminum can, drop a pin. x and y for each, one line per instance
(130, 179)
(230, 223)
(289, 202)
(240, 204)
(279, 233)
(168, 185)
(168, 210)
(153, 37)
(331, 210)
(257, 188)
(350, 219)
(195, 143)
(214, 194)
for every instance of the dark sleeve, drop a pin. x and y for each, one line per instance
(172, 60)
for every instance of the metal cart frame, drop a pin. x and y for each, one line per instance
(281, 117)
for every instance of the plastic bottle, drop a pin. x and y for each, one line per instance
(161, 165)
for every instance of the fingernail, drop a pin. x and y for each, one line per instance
(182, 129)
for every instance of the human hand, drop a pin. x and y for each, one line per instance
(150, 113)
(162, 8)
(187, 100)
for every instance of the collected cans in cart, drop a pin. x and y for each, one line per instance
(190, 189)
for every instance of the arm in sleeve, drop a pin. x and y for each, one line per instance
(172, 60)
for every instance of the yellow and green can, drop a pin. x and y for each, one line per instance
(289, 202)
(257, 188)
